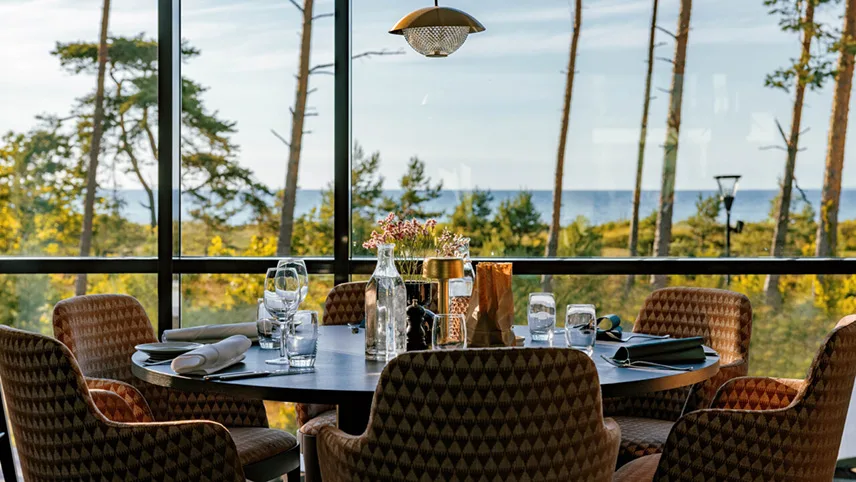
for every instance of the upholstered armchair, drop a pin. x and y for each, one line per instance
(102, 331)
(763, 429)
(61, 435)
(495, 414)
(724, 319)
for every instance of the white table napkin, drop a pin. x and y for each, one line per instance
(212, 358)
(212, 333)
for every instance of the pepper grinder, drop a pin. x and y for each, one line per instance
(443, 270)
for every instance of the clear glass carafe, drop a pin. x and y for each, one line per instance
(386, 305)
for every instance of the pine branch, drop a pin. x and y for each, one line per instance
(282, 139)
(296, 5)
(323, 15)
(667, 32)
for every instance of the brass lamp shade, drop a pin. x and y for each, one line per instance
(437, 31)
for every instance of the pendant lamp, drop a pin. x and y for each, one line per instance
(436, 31)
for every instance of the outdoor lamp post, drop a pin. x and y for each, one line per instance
(727, 191)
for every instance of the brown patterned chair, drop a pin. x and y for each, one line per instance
(763, 429)
(724, 319)
(345, 304)
(493, 415)
(102, 330)
(62, 436)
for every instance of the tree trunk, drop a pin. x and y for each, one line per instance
(94, 150)
(289, 196)
(663, 232)
(780, 232)
(135, 163)
(827, 228)
(556, 221)
(643, 137)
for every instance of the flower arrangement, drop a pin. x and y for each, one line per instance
(413, 241)
(449, 244)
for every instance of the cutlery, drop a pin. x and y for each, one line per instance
(159, 362)
(244, 375)
(637, 335)
(644, 364)
(355, 327)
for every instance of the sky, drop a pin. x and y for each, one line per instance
(487, 116)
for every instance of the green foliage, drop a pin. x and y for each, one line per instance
(706, 234)
(517, 227)
(417, 191)
(472, 217)
(811, 71)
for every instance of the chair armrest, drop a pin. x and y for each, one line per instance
(112, 406)
(702, 394)
(132, 397)
(756, 393)
(339, 454)
(748, 445)
(195, 450)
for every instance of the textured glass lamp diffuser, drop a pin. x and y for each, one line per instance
(436, 31)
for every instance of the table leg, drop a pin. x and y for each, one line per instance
(353, 416)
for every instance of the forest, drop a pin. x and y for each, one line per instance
(56, 198)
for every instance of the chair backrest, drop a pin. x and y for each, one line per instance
(48, 404)
(723, 318)
(346, 303)
(825, 396)
(102, 331)
(494, 414)
(798, 443)
(61, 436)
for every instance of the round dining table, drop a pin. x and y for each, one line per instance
(343, 377)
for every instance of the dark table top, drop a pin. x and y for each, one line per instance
(342, 373)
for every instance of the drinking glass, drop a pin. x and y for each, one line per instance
(298, 265)
(542, 316)
(282, 297)
(581, 328)
(301, 342)
(449, 332)
(267, 328)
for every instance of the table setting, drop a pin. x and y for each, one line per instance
(440, 302)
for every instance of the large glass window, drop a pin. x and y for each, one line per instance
(257, 128)
(53, 133)
(474, 139)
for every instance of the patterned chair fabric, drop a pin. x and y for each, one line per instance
(763, 429)
(345, 303)
(495, 414)
(724, 319)
(61, 435)
(102, 331)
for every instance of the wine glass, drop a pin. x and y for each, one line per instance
(282, 297)
(298, 265)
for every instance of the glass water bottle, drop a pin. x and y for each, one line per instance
(386, 300)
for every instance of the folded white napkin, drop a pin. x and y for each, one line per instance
(212, 358)
(212, 333)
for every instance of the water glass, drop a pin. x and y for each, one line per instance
(267, 327)
(301, 340)
(449, 332)
(581, 328)
(542, 316)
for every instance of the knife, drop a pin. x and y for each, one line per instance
(244, 375)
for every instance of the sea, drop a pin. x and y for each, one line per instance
(597, 207)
